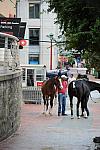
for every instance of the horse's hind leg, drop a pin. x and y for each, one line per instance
(82, 109)
(86, 109)
(78, 102)
(71, 106)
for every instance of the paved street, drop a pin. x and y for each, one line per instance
(39, 132)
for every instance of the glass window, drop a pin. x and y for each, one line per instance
(34, 36)
(30, 77)
(34, 10)
(33, 59)
(39, 75)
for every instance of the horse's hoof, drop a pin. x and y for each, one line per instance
(72, 117)
(44, 113)
(50, 114)
(78, 117)
(81, 115)
(85, 117)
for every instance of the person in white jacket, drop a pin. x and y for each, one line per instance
(71, 78)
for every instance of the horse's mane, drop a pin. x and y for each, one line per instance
(93, 82)
(48, 81)
(89, 82)
(93, 85)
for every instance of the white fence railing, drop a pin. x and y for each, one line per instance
(32, 94)
(9, 55)
(78, 70)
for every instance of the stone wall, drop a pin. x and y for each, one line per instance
(10, 103)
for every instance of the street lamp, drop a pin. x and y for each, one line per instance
(51, 38)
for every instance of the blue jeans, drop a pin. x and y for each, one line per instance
(61, 103)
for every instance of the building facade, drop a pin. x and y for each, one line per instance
(8, 8)
(39, 27)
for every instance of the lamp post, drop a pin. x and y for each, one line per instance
(51, 38)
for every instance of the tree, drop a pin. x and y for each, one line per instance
(80, 22)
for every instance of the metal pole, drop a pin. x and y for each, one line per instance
(51, 56)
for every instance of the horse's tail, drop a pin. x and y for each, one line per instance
(86, 90)
(83, 88)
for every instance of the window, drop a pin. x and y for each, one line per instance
(34, 10)
(34, 36)
(33, 59)
(39, 75)
(30, 77)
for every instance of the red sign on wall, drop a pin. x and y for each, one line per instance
(39, 83)
(23, 42)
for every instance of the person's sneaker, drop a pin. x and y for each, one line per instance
(64, 115)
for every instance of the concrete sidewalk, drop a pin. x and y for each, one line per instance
(39, 132)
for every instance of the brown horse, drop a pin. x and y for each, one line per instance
(49, 88)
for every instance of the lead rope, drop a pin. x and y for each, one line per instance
(92, 99)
